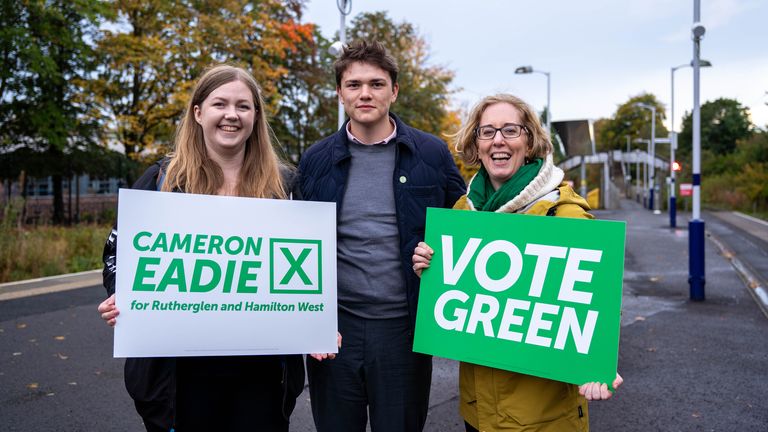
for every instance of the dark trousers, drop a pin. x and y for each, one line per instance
(375, 372)
(153, 414)
(229, 394)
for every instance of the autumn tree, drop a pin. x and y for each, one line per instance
(144, 68)
(451, 125)
(154, 50)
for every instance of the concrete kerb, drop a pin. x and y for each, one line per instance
(50, 284)
(754, 285)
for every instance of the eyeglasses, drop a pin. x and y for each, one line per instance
(508, 131)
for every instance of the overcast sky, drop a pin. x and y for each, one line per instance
(599, 52)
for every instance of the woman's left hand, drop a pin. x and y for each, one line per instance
(422, 256)
(599, 391)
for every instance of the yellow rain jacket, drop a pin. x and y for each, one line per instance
(498, 400)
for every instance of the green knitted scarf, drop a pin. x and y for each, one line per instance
(485, 198)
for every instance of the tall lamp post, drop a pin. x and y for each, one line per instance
(628, 175)
(651, 155)
(528, 70)
(673, 144)
(345, 7)
(696, 225)
(645, 168)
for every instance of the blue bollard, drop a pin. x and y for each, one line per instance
(696, 278)
(650, 201)
(673, 212)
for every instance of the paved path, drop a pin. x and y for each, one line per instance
(48, 285)
(688, 366)
(744, 241)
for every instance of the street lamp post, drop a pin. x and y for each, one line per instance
(672, 148)
(696, 225)
(345, 7)
(530, 69)
(644, 177)
(638, 187)
(628, 174)
(651, 155)
(673, 144)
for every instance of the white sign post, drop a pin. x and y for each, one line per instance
(686, 189)
(201, 275)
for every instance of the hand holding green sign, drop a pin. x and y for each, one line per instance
(535, 295)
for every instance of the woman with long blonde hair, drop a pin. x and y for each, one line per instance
(222, 147)
(209, 158)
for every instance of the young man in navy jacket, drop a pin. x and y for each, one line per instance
(383, 174)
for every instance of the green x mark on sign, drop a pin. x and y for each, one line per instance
(295, 266)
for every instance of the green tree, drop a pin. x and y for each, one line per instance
(630, 120)
(558, 156)
(308, 108)
(752, 181)
(46, 58)
(723, 123)
(750, 166)
(13, 40)
(733, 177)
(752, 149)
(424, 88)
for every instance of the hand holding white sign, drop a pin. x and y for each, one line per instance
(109, 311)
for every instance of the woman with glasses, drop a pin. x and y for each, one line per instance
(504, 136)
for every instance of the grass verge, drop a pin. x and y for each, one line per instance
(27, 253)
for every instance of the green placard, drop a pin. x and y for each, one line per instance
(531, 294)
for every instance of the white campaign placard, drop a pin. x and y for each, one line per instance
(202, 275)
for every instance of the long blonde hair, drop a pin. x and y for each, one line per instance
(539, 145)
(190, 169)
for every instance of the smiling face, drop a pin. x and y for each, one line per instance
(500, 156)
(227, 117)
(367, 92)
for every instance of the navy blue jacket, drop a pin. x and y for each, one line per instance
(425, 176)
